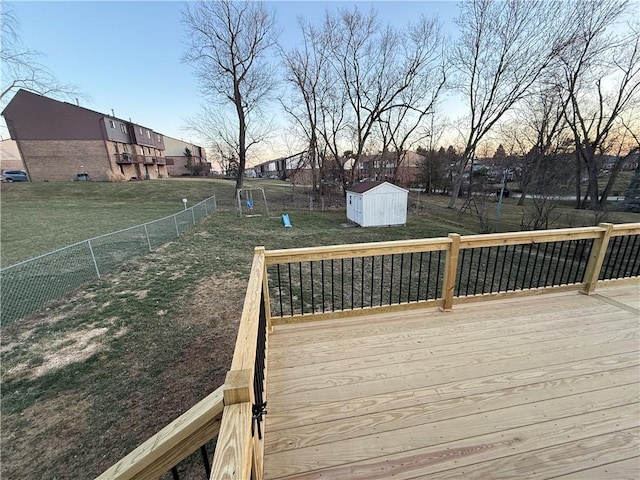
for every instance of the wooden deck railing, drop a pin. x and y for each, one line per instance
(297, 285)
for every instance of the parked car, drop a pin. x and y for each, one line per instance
(14, 176)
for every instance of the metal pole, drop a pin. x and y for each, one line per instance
(193, 216)
(146, 232)
(93, 257)
(175, 219)
(215, 206)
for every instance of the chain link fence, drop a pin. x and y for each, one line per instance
(29, 285)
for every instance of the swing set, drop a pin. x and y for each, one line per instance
(252, 210)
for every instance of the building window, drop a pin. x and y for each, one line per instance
(148, 134)
(159, 138)
(140, 130)
(123, 128)
(112, 124)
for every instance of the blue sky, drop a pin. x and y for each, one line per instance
(126, 56)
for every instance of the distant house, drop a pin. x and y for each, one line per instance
(294, 167)
(403, 168)
(59, 141)
(376, 204)
(176, 159)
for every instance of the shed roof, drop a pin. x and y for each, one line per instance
(364, 186)
(367, 185)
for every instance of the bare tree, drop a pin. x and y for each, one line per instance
(403, 124)
(227, 46)
(503, 48)
(378, 66)
(22, 67)
(304, 71)
(536, 131)
(602, 78)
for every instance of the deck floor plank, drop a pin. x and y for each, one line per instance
(548, 390)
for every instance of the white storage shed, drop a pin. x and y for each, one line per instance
(377, 204)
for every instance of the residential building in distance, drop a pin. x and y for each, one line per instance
(296, 168)
(59, 141)
(177, 161)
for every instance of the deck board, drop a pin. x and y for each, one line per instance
(536, 387)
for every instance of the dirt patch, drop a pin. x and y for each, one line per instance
(78, 347)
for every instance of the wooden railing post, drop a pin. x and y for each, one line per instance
(598, 252)
(450, 268)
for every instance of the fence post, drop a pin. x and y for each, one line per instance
(450, 269)
(206, 212)
(193, 216)
(215, 206)
(175, 219)
(93, 257)
(598, 252)
(146, 232)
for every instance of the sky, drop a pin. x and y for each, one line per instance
(126, 56)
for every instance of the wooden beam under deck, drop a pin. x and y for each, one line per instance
(530, 387)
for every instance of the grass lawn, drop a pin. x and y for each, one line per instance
(40, 217)
(98, 372)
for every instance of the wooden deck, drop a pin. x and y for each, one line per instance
(535, 387)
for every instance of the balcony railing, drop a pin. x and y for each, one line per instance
(125, 158)
(298, 285)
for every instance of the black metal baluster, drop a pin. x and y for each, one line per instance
(410, 275)
(429, 276)
(174, 473)
(503, 266)
(634, 262)
(544, 257)
(475, 285)
(526, 266)
(438, 273)
(623, 260)
(609, 261)
(322, 281)
(458, 286)
(333, 298)
(373, 258)
(391, 282)
(576, 245)
(301, 293)
(521, 254)
(495, 267)
(342, 282)
(564, 263)
(420, 276)
(513, 257)
(587, 255)
(382, 281)
(205, 459)
(353, 300)
(553, 251)
(401, 275)
(313, 293)
(535, 263)
(636, 272)
(280, 290)
(361, 282)
(290, 288)
(469, 270)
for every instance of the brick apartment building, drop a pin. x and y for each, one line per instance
(59, 141)
(176, 160)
